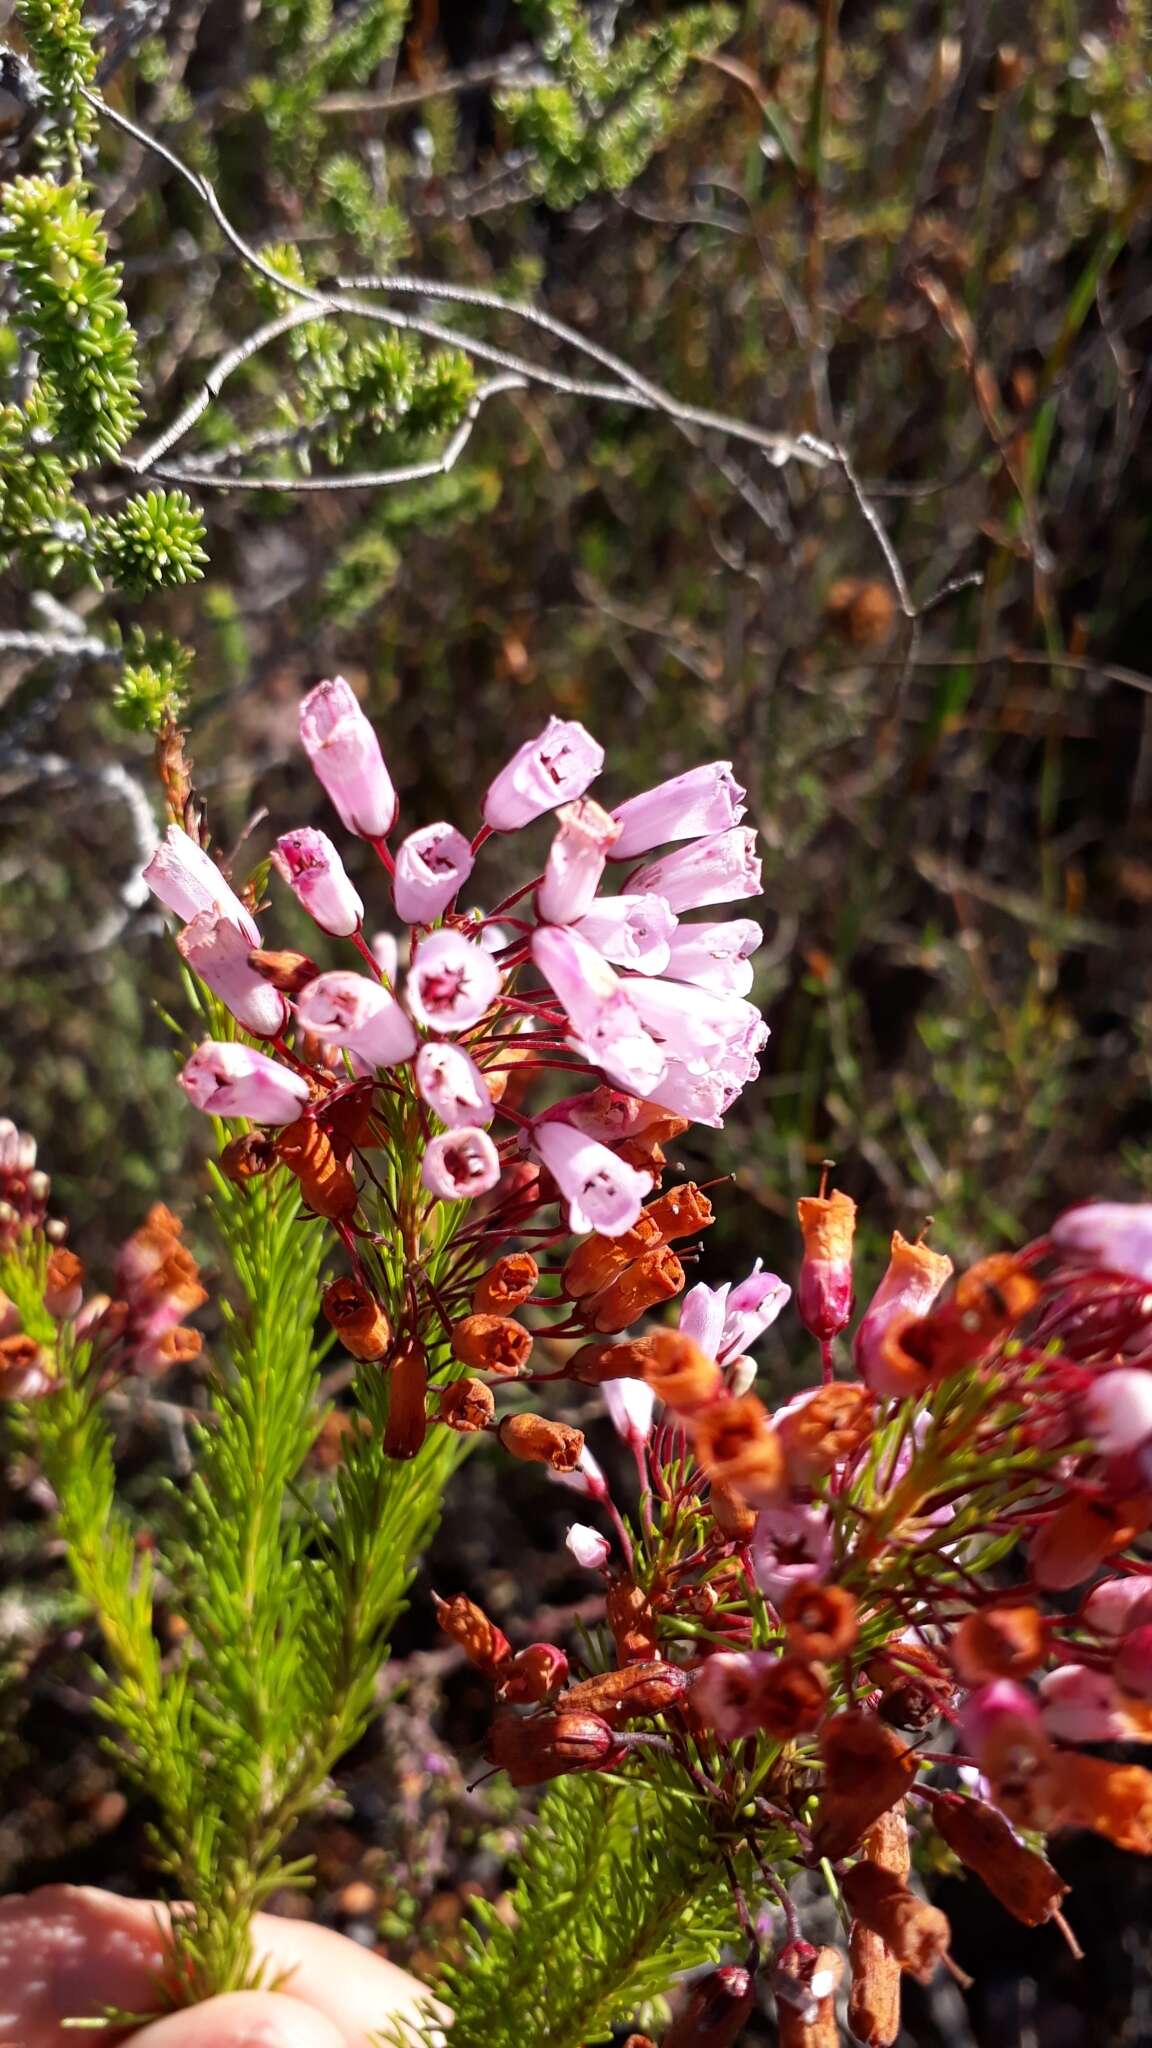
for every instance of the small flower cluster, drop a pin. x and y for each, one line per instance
(397, 1094)
(807, 1611)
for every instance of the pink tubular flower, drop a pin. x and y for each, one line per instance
(1078, 1704)
(634, 931)
(453, 1086)
(588, 1546)
(432, 866)
(791, 1547)
(1118, 1605)
(346, 758)
(724, 1691)
(460, 1164)
(1133, 1667)
(703, 1098)
(991, 1710)
(451, 982)
(186, 880)
(715, 956)
(548, 771)
(315, 873)
(1118, 1411)
(599, 1008)
(1115, 1235)
(235, 1080)
(603, 1192)
(630, 1404)
(217, 950)
(348, 1010)
(914, 1278)
(716, 870)
(752, 1307)
(707, 799)
(575, 862)
(696, 1027)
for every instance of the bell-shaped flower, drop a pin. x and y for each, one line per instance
(235, 1080)
(575, 862)
(630, 1403)
(1078, 1704)
(432, 866)
(633, 931)
(695, 1026)
(587, 1546)
(349, 1010)
(460, 1164)
(453, 1086)
(316, 875)
(1117, 1605)
(217, 950)
(451, 982)
(716, 870)
(792, 1547)
(544, 773)
(1114, 1235)
(346, 758)
(186, 880)
(914, 1278)
(715, 956)
(598, 1007)
(707, 799)
(603, 1193)
(1118, 1410)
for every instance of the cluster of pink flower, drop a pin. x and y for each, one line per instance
(656, 1005)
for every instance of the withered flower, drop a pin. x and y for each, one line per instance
(289, 972)
(681, 1212)
(731, 1512)
(790, 1698)
(736, 1444)
(407, 1423)
(1006, 1639)
(981, 1839)
(484, 1645)
(717, 2007)
(676, 1369)
(917, 1934)
(357, 1318)
(824, 1287)
(538, 1441)
(22, 1368)
(247, 1157)
(825, 1427)
(534, 1674)
(549, 1745)
(867, 1769)
(63, 1284)
(821, 1621)
(490, 1343)
(654, 1277)
(598, 1260)
(1113, 1800)
(632, 1621)
(326, 1185)
(1067, 1548)
(593, 1365)
(804, 1981)
(648, 1688)
(506, 1284)
(467, 1405)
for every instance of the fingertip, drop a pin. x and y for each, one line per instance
(244, 2019)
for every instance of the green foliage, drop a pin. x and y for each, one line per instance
(149, 689)
(153, 540)
(61, 47)
(612, 105)
(616, 1891)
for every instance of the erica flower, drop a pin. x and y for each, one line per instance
(346, 757)
(575, 862)
(545, 772)
(461, 1164)
(630, 1404)
(451, 983)
(726, 1321)
(715, 870)
(587, 1546)
(634, 931)
(914, 1278)
(349, 1010)
(186, 880)
(1115, 1235)
(599, 1007)
(824, 1298)
(432, 866)
(453, 1086)
(235, 1080)
(792, 1547)
(1118, 1411)
(315, 873)
(704, 800)
(715, 956)
(217, 950)
(602, 1193)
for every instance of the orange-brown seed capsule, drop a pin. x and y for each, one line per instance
(804, 1981)
(644, 1154)
(534, 1674)
(594, 1364)
(824, 1287)
(681, 1212)
(549, 1745)
(484, 1645)
(654, 1277)
(289, 972)
(1007, 1639)
(790, 1698)
(492, 1344)
(648, 1688)
(867, 1769)
(63, 1284)
(357, 1318)
(917, 1934)
(247, 1157)
(874, 1992)
(731, 1512)
(598, 1260)
(506, 1284)
(1024, 1882)
(467, 1405)
(407, 1423)
(676, 1369)
(821, 1621)
(632, 1622)
(326, 1185)
(736, 1444)
(825, 1427)
(21, 1368)
(538, 1441)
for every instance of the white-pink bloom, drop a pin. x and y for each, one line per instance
(317, 877)
(695, 1026)
(630, 1404)
(716, 870)
(235, 1080)
(349, 1010)
(460, 1164)
(707, 799)
(792, 1546)
(1115, 1235)
(575, 862)
(607, 1025)
(702, 1098)
(633, 931)
(452, 1085)
(603, 1192)
(702, 1314)
(587, 1478)
(217, 950)
(385, 951)
(1118, 1410)
(1118, 1605)
(545, 772)
(186, 880)
(17, 1148)
(346, 758)
(986, 1711)
(715, 956)
(1078, 1704)
(451, 982)
(1133, 1667)
(752, 1307)
(588, 1546)
(725, 1691)
(432, 866)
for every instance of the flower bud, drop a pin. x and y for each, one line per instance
(538, 1441)
(484, 1645)
(490, 1343)
(1117, 1605)
(467, 1405)
(460, 1165)
(911, 1284)
(1006, 1639)
(346, 758)
(407, 1423)
(917, 1934)
(735, 1443)
(1114, 1235)
(1023, 1881)
(357, 1318)
(549, 1745)
(718, 2005)
(432, 866)
(824, 1289)
(63, 1285)
(553, 769)
(534, 1674)
(326, 1185)
(679, 1373)
(587, 1546)
(1118, 1411)
(654, 1277)
(228, 1079)
(506, 1285)
(317, 877)
(630, 1403)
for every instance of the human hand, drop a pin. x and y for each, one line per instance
(68, 1952)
